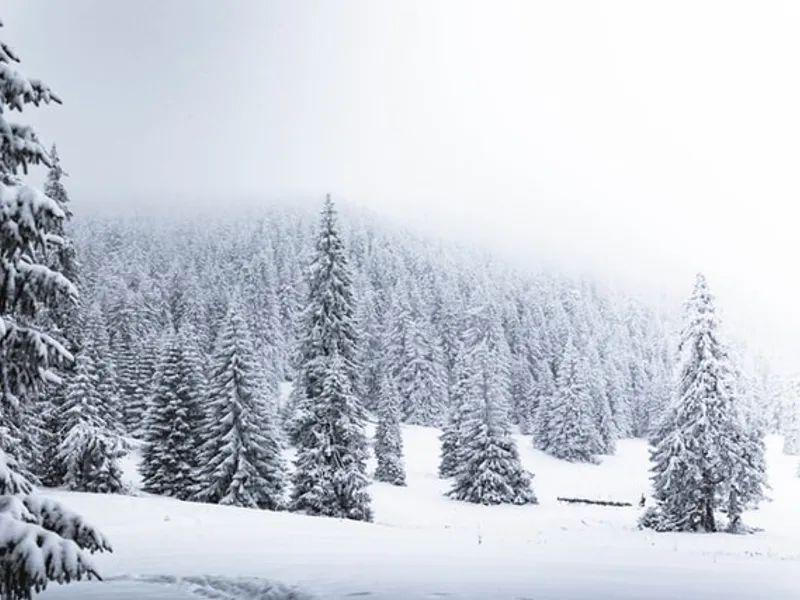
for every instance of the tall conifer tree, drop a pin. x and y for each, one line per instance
(704, 459)
(489, 470)
(240, 461)
(330, 477)
(173, 428)
(41, 540)
(388, 436)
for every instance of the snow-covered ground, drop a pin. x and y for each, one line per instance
(423, 545)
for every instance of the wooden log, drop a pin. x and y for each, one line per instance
(595, 502)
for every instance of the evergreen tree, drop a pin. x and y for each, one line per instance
(570, 432)
(388, 437)
(64, 256)
(132, 403)
(421, 377)
(41, 540)
(174, 423)
(460, 394)
(790, 424)
(107, 381)
(702, 457)
(241, 462)
(523, 393)
(88, 453)
(546, 399)
(330, 476)
(743, 451)
(489, 469)
(90, 456)
(63, 317)
(330, 468)
(601, 407)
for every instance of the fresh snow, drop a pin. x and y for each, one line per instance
(423, 545)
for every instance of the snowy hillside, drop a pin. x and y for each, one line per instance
(423, 545)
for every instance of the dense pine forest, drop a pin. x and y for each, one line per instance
(144, 280)
(574, 364)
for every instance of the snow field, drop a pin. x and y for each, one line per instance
(423, 545)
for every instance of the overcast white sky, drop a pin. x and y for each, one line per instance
(643, 140)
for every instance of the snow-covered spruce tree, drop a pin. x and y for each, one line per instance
(132, 402)
(388, 437)
(330, 476)
(601, 407)
(174, 422)
(421, 377)
(41, 540)
(88, 452)
(695, 463)
(570, 432)
(90, 456)
(743, 451)
(330, 468)
(489, 470)
(143, 378)
(790, 425)
(240, 460)
(94, 324)
(64, 257)
(523, 393)
(459, 406)
(545, 401)
(63, 317)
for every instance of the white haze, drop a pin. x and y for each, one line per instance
(642, 141)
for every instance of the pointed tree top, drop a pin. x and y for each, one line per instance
(700, 281)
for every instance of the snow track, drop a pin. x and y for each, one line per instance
(171, 587)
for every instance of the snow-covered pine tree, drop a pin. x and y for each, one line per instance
(240, 460)
(91, 458)
(134, 409)
(260, 303)
(460, 395)
(174, 422)
(64, 257)
(489, 470)
(697, 441)
(95, 327)
(370, 345)
(65, 319)
(132, 404)
(421, 377)
(523, 393)
(790, 421)
(742, 452)
(330, 477)
(570, 431)
(388, 437)
(617, 387)
(88, 452)
(601, 407)
(330, 468)
(41, 540)
(545, 402)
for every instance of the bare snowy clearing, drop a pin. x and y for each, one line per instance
(424, 545)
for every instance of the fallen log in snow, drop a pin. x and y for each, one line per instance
(597, 502)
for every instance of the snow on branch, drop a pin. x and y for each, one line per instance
(10, 481)
(31, 556)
